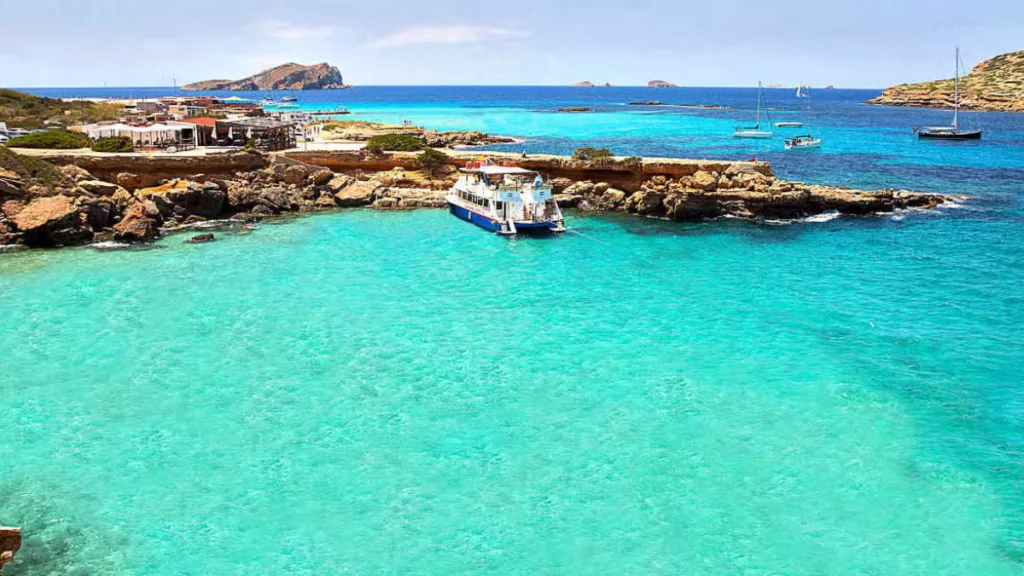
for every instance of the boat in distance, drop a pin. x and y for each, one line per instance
(505, 199)
(755, 131)
(803, 142)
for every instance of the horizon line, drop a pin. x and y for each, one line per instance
(355, 86)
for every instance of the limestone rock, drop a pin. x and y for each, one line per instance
(295, 175)
(358, 194)
(12, 207)
(98, 187)
(704, 181)
(339, 182)
(612, 199)
(128, 180)
(321, 177)
(646, 202)
(52, 221)
(137, 225)
(75, 173)
(98, 213)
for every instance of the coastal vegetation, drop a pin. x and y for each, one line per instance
(395, 143)
(55, 139)
(27, 168)
(113, 144)
(20, 110)
(996, 84)
(431, 160)
(590, 153)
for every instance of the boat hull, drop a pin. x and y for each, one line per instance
(925, 135)
(485, 222)
(493, 225)
(753, 135)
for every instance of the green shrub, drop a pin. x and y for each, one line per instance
(395, 143)
(430, 159)
(51, 139)
(113, 144)
(589, 153)
(28, 167)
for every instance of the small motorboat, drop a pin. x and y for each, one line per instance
(789, 124)
(803, 142)
(289, 99)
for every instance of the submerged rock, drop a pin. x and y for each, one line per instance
(201, 239)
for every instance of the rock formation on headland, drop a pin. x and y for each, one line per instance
(660, 84)
(289, 76)
(994, 85)
(133, 198)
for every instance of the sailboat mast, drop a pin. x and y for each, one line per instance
(759, 93)
(956, 91)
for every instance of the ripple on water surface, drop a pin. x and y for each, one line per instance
(373, 393)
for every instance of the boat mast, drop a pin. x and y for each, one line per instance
(956, 92)
(759, 94)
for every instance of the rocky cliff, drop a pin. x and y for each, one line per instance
(994, 85)
(289, 76)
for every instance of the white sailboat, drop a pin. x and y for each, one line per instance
(755, 131)
(805, 141)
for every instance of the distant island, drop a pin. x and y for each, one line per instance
(660, 84)
(289, 76)
(584, 84)
(995, 85)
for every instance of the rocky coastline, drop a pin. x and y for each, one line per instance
(88, 199)
(995, 85)
(360, 131)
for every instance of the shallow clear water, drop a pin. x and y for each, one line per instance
(370, 393)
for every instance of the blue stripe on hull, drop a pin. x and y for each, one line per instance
(481, 221)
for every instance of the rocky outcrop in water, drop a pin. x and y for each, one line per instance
(76, 207)
(289, 76)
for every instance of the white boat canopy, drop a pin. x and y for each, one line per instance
(498, 170)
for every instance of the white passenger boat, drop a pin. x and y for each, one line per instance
(505, 199)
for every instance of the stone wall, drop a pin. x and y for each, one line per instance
(627, 174)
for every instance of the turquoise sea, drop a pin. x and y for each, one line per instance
(401, 393)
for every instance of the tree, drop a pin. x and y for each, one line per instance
(431, 159)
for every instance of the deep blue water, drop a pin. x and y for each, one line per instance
(370, 393)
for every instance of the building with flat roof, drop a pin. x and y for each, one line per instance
(264, 133)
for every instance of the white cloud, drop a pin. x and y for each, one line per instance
(445, 35)
(289, 31)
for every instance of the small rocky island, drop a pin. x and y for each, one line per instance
(995, 85)
(661, 84)
(289, 76)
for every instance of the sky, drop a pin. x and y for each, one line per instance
(861, 44)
